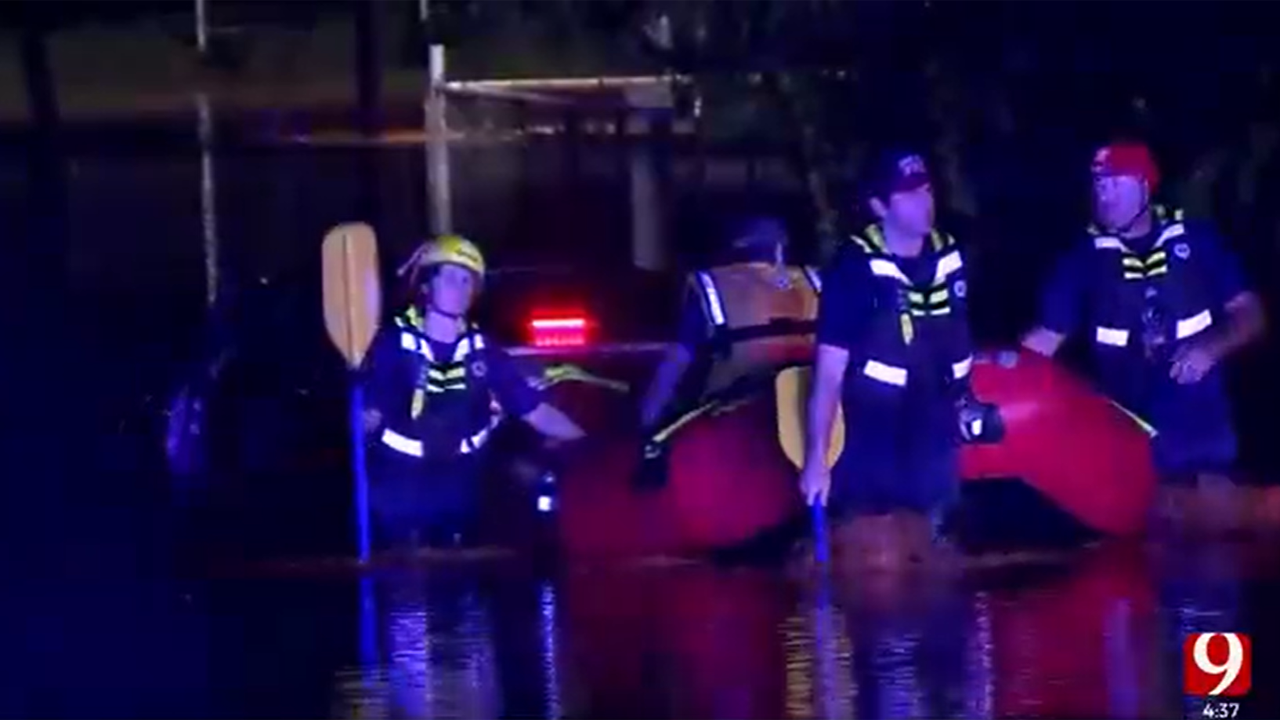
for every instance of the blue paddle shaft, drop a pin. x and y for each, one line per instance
(821, 546)
(359, 467)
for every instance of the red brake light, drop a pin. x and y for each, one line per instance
(559, 330)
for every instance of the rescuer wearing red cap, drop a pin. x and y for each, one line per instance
(894, 346)
(1162, 302)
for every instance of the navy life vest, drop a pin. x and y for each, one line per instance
(1144, 304)
(443, 406)
(920, 330)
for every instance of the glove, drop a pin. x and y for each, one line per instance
(979, 421)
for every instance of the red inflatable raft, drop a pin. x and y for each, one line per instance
(724, 479)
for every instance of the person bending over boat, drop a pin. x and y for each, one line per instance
(894, 346)
(1163, 301)
(752, 313)
(436, 388)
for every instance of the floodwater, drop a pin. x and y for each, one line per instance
(124, 616)
(1099, 636)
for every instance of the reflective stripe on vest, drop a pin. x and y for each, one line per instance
(1142, 267)
(418, 344)
(894, 375)
(1183, 329)
(814, 278)
(715, 308)
(413, 448)
(443, 376)
(932, 301)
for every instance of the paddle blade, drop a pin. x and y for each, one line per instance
(791, 387)
(352, 290)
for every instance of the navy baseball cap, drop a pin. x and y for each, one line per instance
(895, 171)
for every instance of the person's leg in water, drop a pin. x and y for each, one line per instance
(863, 488)
(393, 486)
(449, 509)
(1195, 453)
(931, 489)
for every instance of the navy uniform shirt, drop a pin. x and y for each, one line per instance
(1063, 304)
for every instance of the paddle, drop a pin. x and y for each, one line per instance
(352, 309)
(791, 390)
(792, 387)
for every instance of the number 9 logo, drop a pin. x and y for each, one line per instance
(1206, 677)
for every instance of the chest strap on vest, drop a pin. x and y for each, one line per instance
(1138, 266)
(439, 377)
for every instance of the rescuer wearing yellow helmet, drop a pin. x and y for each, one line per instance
(436, 389)
(750, 314)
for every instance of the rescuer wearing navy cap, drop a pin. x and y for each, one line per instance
(436, 388)
(751, 314)
(1162, 302)
(894, 346)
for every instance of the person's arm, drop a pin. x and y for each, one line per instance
(1244, 318)
(1246, 322)
(520, 398)
(844, 311)
(1061, 306)
(828, 386)
(675, 361)
(377, 377)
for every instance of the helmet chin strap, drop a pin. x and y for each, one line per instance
(1129, 224)
(432, 308)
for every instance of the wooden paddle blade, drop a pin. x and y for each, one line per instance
(791, 388)
(352, 290)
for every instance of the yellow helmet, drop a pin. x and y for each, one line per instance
(453, 249)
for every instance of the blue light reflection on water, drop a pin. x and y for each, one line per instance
(1092, 639)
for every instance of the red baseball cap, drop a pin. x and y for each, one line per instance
(1127, 158)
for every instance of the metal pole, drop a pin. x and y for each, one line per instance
(436, 133)
(208, 197)
(202, 26)
(208, 181)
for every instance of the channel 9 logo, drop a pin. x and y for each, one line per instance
(1217, 665)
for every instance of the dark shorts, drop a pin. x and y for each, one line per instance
(1195, 431)
(897, 458)
(435, 501)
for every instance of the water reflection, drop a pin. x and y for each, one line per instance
(1099, 636)
(431, 652)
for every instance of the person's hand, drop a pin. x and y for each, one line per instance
(372, 420)
(815, 483)
(1192, 361)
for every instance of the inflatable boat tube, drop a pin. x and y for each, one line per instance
(720, 477)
